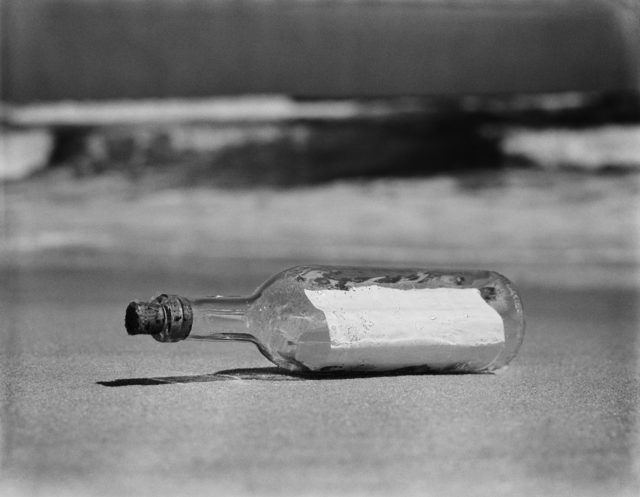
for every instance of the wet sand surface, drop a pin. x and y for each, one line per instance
(87, 410)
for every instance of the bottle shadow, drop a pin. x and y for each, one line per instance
(265, 374)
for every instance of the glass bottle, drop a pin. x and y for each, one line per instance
(354, 319)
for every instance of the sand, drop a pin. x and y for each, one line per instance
(87, 410)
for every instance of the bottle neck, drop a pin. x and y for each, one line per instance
(171, 318)
(220, 318)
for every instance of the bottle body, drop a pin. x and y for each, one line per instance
(358, 319)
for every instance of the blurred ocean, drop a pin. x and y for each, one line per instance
(339, 182)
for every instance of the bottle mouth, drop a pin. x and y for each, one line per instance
(131, 321)
(168, 318)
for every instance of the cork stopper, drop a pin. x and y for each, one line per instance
(168, 318)
(144, 318)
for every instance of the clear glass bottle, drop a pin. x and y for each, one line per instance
(355, 319)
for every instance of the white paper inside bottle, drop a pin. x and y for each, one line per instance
(380, 327)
